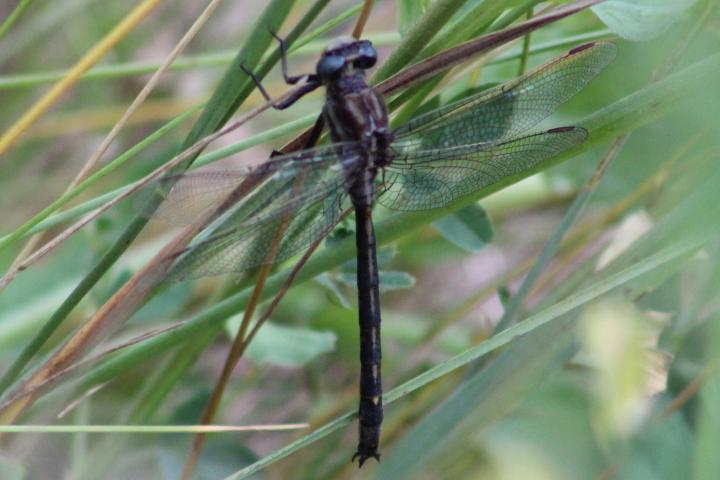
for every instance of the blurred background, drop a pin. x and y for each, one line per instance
(609, 370)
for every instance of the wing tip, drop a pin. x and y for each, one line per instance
(604, 45)
(581, 48)
(567, 129)
(578, 133)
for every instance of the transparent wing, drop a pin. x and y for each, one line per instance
(432, 178)
(244, 246)
(509, 109)
(269, 213)
(188, 197)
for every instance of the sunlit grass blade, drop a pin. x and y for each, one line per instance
(149, 428)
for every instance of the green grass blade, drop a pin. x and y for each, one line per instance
(14, 15)
(303, 46)
(413, 41)
(152, 429)
(553, 244)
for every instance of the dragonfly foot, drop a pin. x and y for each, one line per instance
(362, 456)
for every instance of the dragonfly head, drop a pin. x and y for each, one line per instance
(345, 54)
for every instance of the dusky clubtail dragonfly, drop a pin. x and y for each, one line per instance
(430, 161)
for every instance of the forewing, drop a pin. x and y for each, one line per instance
(512, 108)
(189, 197)
(269, 213)
(432, 178)
(276, 238)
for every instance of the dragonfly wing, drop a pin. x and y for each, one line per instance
(188, 197)
(427, 179)
(263, 214)
(272, 236)
(512, 108)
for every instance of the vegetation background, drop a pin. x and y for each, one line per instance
(601, 364)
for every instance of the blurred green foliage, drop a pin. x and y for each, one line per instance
(611, 372)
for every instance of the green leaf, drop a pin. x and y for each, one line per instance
(640, 20)
(469, 228)
(289, 346)
(395, 281)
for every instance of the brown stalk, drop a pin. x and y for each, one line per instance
(362, 19)
(287, 283)
(242, 343)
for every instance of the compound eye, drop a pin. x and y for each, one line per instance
(330, 65)
(365, 62)
(367, 56)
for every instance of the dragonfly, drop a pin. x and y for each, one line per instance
(294, 200)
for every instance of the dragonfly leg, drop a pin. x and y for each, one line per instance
(315, 132)
(296, 95)
(256, 81)
(290, 79)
